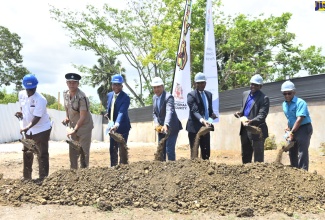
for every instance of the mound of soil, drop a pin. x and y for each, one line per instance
(180, 186)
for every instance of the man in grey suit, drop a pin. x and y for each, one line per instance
(255, 106)
(199, 102)
(165, 115)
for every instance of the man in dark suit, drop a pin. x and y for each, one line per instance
(255, 107)
(199, 102)
(164, 114)
(118, 103)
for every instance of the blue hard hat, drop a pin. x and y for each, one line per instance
(117, 78)
(30, 81)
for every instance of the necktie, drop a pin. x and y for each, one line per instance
(112, 107)
(206, 114)
(157, 104)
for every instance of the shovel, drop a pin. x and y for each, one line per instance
(250, 128)
(289, 144)
(28, 143)
(76, 145)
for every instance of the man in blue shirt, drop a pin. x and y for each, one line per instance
(255, 107)
(299, 125)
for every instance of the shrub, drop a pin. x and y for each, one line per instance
(270, 143)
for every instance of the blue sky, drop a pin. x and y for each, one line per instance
(47, 52)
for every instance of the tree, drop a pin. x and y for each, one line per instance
(6, 98)
(96, 107)
(147, 35)
(248, 46)
(131, 33)
(101, 75)
(50, 99)
(11, 68)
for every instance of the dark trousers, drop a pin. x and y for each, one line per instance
(42, 142)
(113, 149)
(251, 144)
(204, 145)
(299, 155)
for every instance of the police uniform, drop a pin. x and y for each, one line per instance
(73, 106)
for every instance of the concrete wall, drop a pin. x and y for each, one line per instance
(226, 134)
(9, 125)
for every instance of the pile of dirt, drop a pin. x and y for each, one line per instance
(181, 186)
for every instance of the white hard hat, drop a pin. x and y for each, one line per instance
(157, 81)
(287, 86)
(199, 77)
(257, 79)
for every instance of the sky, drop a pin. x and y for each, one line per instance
(47, 54)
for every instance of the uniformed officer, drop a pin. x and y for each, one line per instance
(79, 118)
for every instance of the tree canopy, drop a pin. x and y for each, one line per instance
(11, 68)
(147, 34)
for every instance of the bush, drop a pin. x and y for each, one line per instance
(270, 143)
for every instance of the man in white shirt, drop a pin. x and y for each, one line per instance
(37, 126)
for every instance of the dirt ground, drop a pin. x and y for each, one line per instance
(145, 180)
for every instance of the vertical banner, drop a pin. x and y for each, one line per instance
(210, 61)
(182, 76)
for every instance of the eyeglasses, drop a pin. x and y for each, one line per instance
(287, 93)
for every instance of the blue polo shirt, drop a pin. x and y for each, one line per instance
(296, 108)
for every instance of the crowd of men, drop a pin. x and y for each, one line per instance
(255, 108)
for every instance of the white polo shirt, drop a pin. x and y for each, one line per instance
(34, 105)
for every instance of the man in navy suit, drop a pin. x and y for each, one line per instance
(255, 106)
(164, 114)
(118, 103)
(199, 102)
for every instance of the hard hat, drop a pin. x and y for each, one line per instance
(257, 79)
(287, 86)
(30, 81)
(117, 78)
(72, 77)
(199, 77)
(157, 81)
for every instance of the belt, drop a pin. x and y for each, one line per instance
(303, 125)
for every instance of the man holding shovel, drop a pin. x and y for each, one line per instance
(164, 114)
(37, 126)
(299, 126)
(118, 103)
(78, 118)
(255, 107)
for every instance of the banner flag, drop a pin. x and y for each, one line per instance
(210, 61)
(182, 76)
